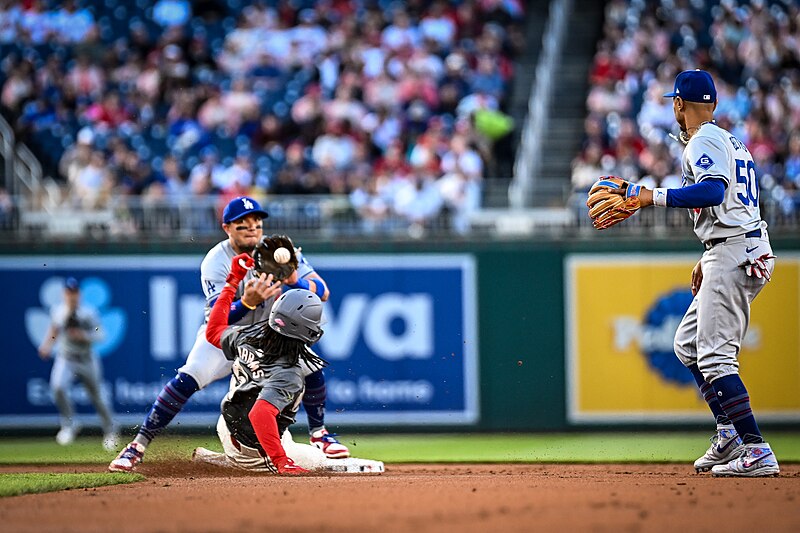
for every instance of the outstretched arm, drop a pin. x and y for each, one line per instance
(263, 417)
(707, 193)
(218, 320)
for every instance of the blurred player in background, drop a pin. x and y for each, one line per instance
(268, 377)
(242, 221)
(77, 327)
(720, 189)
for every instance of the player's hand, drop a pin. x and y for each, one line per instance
(697, 278)
(286, 466)
(646, 197)
(612, 200)
(758, 267)
(45, 352)
(240, 266)
(258, 290)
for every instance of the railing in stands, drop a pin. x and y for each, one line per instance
(23, 172)
(138, 219)
(7, 153)
(527, 167)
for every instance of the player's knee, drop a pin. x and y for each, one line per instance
(59, 392)
(713, 370)
(200, 376)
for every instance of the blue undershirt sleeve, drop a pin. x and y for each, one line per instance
(707, 193)
(238, 310)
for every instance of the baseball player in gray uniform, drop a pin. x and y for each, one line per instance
(720, 189)
(270, 361)
(77, 327)
(242, 221)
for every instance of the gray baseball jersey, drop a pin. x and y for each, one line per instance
(713, 152)
(278, 380)
(83, 318)
(215, 269)
(711, 332)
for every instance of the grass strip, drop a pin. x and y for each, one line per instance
(36, 483)
(633, 447)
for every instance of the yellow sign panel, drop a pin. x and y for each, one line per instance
(621, 366)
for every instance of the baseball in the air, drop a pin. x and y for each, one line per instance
(282, 255)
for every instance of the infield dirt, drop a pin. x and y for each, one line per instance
(184, 496)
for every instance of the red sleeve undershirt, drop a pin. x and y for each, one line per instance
(263, 417)
(218, 320)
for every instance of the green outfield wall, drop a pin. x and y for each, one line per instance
(536, 366)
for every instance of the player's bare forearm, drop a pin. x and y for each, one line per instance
(45, 351)
(646, 197)
(46, 348)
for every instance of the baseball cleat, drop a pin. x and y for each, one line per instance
(332, 448)
(203, 455)
(726, 445)
(126, 461)
(756, 460)
(66, 435)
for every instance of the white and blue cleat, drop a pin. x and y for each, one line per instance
(756, 460)
(726, 445)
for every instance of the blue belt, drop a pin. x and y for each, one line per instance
(713, 242)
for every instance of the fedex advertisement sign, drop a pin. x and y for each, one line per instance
(400, 337)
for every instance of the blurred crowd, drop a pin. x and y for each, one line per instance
(397, 105)
(752, 49)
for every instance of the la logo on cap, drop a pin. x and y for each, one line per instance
(247, 203)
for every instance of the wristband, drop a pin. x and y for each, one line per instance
(246, 304)
(660, 197)
(238, 312)
(301, 284)
(319, 288)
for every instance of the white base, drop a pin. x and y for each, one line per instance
(354, 465)
(350, 465)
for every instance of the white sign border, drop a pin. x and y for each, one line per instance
(470, 415)
(574, 414)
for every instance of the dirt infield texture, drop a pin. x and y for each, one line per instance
(185, 496)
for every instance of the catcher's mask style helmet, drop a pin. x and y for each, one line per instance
(240, 207)
(297, 313)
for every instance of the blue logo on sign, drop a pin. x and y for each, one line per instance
(660, 324)
(95, 293)
(705, 162)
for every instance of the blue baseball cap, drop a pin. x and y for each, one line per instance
(71, 284)
(694, 86)
(240, 207)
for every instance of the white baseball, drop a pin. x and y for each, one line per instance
(282, 255)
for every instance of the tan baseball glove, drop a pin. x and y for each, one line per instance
(612, 200)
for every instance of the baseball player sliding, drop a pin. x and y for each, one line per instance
(720, 189)
(242, 221)
(268, 379)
